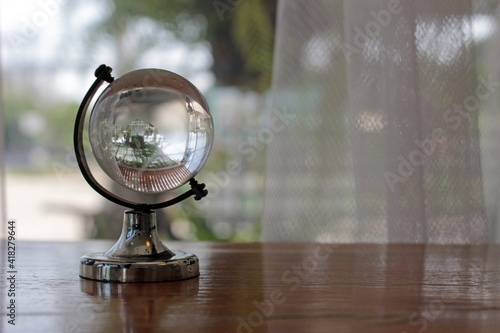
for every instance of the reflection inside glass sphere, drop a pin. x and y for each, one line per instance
(151, 137)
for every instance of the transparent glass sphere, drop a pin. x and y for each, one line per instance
(151, 130)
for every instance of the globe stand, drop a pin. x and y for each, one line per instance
(139, 255)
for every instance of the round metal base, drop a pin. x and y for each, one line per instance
(98, 266)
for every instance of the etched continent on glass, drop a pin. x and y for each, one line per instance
(151, 131)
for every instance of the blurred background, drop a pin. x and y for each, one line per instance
(49, 51)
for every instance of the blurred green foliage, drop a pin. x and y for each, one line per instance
(240, 33)
(240, 38)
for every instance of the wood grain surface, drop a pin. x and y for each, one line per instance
(265, 287)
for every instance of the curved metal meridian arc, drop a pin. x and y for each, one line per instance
(103, 74)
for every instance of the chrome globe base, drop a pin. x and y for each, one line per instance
(139, 255)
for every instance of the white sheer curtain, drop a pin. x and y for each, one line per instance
(383, 123)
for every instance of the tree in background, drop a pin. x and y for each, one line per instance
(240, 34)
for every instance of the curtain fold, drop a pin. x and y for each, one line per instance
(392, 122)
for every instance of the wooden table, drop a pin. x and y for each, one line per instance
(265, 287)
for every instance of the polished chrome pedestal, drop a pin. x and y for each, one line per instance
(139, 255)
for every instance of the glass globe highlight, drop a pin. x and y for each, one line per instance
(151, 131)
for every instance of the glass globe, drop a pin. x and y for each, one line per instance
(151, 130)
